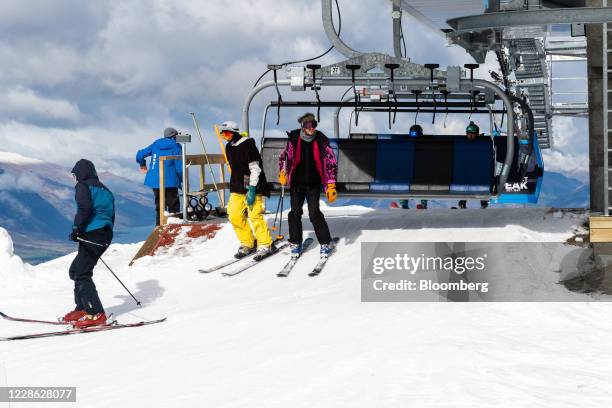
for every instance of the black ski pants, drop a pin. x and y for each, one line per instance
(311, 194)
(81, 271)
(173, 204)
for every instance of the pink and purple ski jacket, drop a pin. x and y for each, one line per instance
(325, 159)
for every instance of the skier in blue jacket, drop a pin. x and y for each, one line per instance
(93, 230)
(166, 146)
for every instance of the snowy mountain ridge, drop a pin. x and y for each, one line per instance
(16, 158)
(37, 204)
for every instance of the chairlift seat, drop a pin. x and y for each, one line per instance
(396, 165)
(433, 164)
(473, 167)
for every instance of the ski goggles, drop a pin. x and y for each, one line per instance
(227, 135)
(311, 124)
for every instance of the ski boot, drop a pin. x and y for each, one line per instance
(73, 316)
(422, 206)
(243, 251)
(90, 321)
(296, 250)
(326, 250)
(262, 252)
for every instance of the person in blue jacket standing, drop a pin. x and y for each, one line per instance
(166, 146)
(93, 230)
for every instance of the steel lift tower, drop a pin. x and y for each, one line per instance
(519, 28)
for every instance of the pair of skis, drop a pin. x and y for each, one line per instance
(318, 267)
(112, 325)
(285, 271)
(252, 261)
(293, 261)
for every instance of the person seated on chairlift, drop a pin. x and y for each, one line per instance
(472, 132)
(416, 132)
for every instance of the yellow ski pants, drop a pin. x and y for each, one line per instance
(240, 214)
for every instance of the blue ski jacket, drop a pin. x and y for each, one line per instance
(95, 202)
(166, 146)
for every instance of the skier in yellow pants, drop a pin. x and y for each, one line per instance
(240, 215)
(248, 186)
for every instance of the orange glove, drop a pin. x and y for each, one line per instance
(331, 193)
(282, 177)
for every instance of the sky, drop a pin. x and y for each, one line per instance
(101, 79)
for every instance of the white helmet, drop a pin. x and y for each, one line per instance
(229, 126)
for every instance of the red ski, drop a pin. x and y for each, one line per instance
(19, 319)
(110, 326)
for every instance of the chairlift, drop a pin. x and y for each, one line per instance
(505, 168)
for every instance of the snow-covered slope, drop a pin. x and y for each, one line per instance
(10, 265)
(255, 340)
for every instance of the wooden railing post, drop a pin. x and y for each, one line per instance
(202, 177)
(162, 192)
(194, 160)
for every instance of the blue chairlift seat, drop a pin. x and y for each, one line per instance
(396, 165)
(473, 166)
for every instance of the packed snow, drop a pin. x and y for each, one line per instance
(10, 264)
(255, 340)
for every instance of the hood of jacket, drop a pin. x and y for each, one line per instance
(85, 172)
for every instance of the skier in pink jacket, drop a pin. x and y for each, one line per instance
(308, 165)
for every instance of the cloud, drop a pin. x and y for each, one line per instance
(571, 134)
(570, 152)
(23, 103)
(66, 146)
(568, 164)
(102, 79)
(20, 182)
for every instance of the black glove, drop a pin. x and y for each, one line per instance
(74, 235)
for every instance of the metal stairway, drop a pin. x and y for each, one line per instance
(527, 60)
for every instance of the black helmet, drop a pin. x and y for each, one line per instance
(416, 131)
(472, 128)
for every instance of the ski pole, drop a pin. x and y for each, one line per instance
(108, 267)
(212, 173)
(276, 215)
(280, 223)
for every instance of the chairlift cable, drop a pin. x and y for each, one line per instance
(416, 93)
(402, 38)
(309, 59)
(445, 93)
